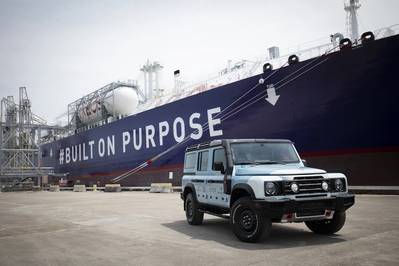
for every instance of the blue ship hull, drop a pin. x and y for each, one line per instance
(342, 116)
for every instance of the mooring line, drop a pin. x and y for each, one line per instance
(230, 113)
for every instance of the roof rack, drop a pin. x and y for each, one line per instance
(218, 142)
(198, 146)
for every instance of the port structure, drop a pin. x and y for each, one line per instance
(21, 132)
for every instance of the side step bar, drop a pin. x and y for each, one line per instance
(215, 214)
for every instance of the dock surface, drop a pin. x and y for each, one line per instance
(141, 228)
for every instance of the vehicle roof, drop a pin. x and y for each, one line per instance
(218, 142)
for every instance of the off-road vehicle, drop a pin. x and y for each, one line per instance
(254, 182)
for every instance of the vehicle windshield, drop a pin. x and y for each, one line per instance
(264, 153)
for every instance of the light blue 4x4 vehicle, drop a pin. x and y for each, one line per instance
(254, 182)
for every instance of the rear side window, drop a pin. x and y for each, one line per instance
(189, 161)
(203, 161)
(219, 156)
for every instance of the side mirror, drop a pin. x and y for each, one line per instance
(219, 167)
(305, 163)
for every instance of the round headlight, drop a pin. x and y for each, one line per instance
(294, 187)
(324, 186)
(339, 185)
(270, 188)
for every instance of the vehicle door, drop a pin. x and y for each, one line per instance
(200, 181)
(215, 178)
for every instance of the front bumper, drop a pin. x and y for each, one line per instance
(305, 209)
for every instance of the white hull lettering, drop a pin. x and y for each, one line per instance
(146, 137)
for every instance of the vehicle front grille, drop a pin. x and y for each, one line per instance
(306, 184)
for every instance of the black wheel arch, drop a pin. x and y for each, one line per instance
(189, 188)
(241, 190)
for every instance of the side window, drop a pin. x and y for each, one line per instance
(203, 161)
(219, 156)
(189, 161)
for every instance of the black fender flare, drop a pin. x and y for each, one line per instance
(192, 187)
(244, 187)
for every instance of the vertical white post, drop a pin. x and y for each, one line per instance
(145, 85)
(150, 83)
(157, 92)
(351, 19)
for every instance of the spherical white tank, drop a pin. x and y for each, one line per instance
(123, 101)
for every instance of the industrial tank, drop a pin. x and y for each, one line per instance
(121, 101)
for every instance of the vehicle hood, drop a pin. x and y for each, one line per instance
(276, 169)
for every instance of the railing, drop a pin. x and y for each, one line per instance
(246, 68)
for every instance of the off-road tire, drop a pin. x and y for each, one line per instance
(193, 215)
(248, 223)
(328, 227)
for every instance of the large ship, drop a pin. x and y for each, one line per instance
(338, 107)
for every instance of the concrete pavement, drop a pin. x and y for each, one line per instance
(139, 228)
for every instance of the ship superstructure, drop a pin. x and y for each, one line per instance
(323, 97)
